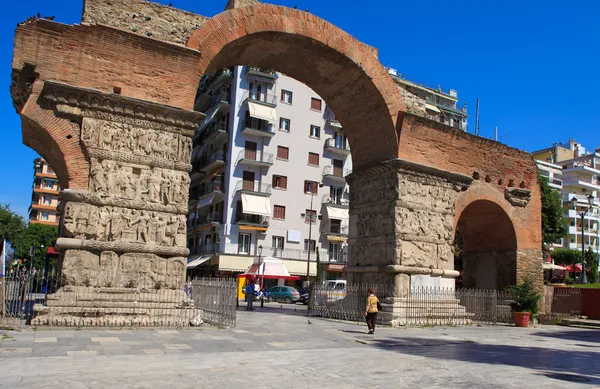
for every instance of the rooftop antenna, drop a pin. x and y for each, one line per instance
(477, 117)
(496, 133)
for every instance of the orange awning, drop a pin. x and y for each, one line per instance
(210, 175)
(253, 228)
(333, 267)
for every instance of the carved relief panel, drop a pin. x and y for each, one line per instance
(108, 224)
(132, 181)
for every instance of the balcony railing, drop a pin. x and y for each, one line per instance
(263, 98)
(334, 123)
(342, 200)
(337, 256)
(555, 181)
(208, 160)
(294, 254)
(333, 145)
(256, 125)
(255, 157)
(255, 220)
(214, 130)
(253, 186)
(261, 74)
(333, 171)
(328, 227)
(207, 188)
(211, 217)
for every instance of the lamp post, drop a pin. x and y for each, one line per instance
(262, 299)
(582, 215)
(312, 196)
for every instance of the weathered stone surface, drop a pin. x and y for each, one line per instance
(80, 268)
(144, 18)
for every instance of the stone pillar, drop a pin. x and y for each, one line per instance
(402, 227)
(127, 232)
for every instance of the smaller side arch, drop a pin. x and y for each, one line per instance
(57, 141)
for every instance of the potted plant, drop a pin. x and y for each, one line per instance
(525, 302)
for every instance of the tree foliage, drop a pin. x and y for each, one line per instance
(319, 269)
(14, 229)
(566, 256)
(554, 225)
(525, 297)
(591, 264)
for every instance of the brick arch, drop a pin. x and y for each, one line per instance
(344, 71)
(47, 134)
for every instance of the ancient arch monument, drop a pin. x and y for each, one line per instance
(108, 103)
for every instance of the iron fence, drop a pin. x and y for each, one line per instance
(344, 302)
(564, 303)
(216, 300)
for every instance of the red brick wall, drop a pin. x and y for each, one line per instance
(591, 303)
(102, 58)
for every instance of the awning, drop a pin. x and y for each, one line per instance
(298, 268)
(209, 116)
(252, 228)
(210, 175)
(335, 238)
(432, 108)
(205, 201)
(260, 111)
(234, 263)
(197, 261)
(551, 266)
(337, 213)
(334, 123)
(334, 267)
(267, 267)
(256, 205)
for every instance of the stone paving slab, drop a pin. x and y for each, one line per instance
(274, 350)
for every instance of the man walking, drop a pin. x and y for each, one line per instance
(250, 295)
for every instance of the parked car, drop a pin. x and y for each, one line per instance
(283, 293)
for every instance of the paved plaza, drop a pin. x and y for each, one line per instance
(280, 348)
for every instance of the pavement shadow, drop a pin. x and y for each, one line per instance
(575, 335)
(564, 365)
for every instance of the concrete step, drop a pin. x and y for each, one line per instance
(581, 323)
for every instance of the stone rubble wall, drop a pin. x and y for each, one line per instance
(144, 18)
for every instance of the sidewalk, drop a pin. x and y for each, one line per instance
(274, 349)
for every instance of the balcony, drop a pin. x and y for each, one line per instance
(294, 254)
(268, 99)
(336, 173)
(342, 200)
(255, 158)
(45, 190)
(337, 256)
(209, 248)
(336, 147)
(44, 207)
(207, 221)
(591, 215)
(334, 123)
(335, 227)
(45, 175)
(253, 187)
(555, 183)
(215, 134)
(207, 189)
(211, 162)
(576, 230)
(267, 76)
(248, 221)
(45, 222)
(208, 85)
(581, 182)
(258, 127)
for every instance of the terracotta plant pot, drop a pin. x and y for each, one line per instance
(521, 319)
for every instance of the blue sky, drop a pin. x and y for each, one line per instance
(534, 64)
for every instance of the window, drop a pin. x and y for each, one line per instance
(310, 216)
(279, 182)
(315, 104)
(285, 124)
(311, 187)
(278, 212)
(313, 159)
(44, 216)
(286, 96)
(315, 131)
(277, 242)
(283, 153)
(244, 244)
(48, 184)
(336, 226)
(310, 243)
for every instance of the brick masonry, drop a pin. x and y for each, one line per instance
(140, 57)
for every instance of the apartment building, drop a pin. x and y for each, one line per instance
(439, 106)
(269, 166)
(576, 173)
(44, 199)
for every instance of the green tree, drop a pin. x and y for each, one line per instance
(591, 263)
(566, 256)
(319, 270)
(554, 226)
(12, 228)
(41, 237)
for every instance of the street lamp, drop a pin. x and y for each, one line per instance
(262, 299)
(312, 196)
(582, 215)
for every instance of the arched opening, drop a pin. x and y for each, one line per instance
(486, 245)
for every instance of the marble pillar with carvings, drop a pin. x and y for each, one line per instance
(128, 229)
(402, 225)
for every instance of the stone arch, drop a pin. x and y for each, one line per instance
(344, 71)
(489, 240)
(57, 141)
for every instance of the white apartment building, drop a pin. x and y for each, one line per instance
(268, 149)
(45, 195)
(577, 175)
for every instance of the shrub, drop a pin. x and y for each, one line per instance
(526, 298)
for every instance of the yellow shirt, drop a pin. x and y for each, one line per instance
(372, 304)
